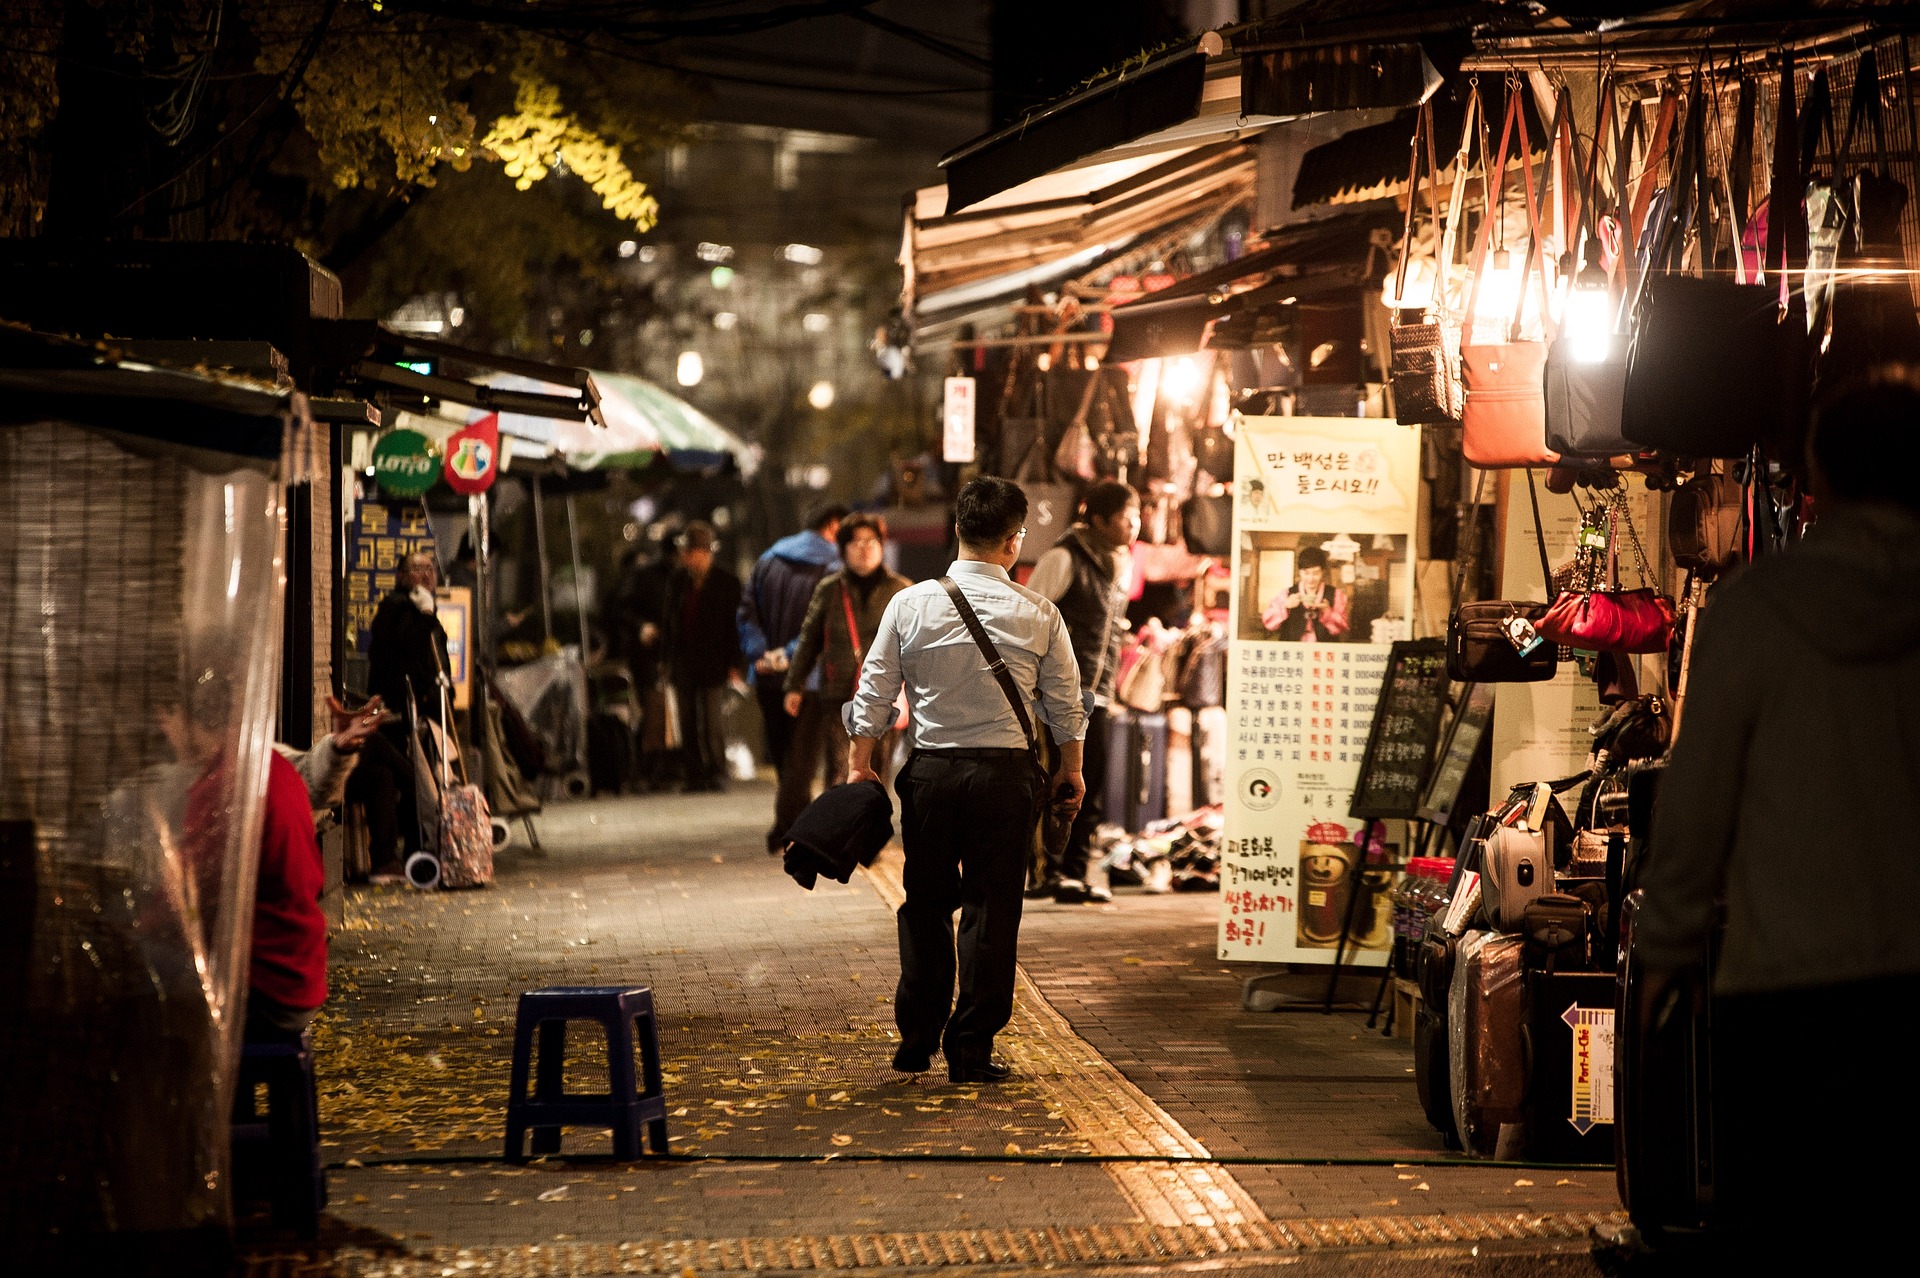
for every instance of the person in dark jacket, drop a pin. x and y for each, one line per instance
(1084, 575)
(826, 661)
(407, 651)
(1786, 809)
(703, 650)
(771, 611)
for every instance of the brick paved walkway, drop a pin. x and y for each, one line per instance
(776, 1022)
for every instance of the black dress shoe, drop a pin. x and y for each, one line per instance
(912, 1060)
(981, 1069)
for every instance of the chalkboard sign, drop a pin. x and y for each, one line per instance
(1406, 720)
(1464, 735)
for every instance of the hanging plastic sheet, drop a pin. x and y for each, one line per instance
(140, 624)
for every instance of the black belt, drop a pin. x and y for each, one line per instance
(998, 755)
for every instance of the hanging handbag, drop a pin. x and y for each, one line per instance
(1498, 640)
(1873, 319)
(1505, 415)
(1705, 523)
(1425, 354)
(1076, 454)
(1605, 618)
(1050, 503)
(1584, 396)
(1714, 366)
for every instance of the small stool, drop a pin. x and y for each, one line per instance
(277, 1153)
(626, 1105)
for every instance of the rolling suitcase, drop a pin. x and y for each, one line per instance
(1486, 1044)
(1147, 773)
(1663, 1128)
(1433, 971)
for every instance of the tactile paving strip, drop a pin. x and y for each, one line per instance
(943, 1249)
(1103, 1108)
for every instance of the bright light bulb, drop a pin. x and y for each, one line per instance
(1499, 290)
(1417, 294)
(1180, 379)
(689, 369)
(1589, 318)
(821, 395)
(1092, 363)
(1045, 361)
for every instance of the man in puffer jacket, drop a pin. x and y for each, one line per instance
(771, 611)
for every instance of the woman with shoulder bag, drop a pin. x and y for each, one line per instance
(842, 619)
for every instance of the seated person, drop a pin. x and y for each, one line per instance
(287, 968)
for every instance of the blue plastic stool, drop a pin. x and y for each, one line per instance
(276, 1154)
(626, 1105)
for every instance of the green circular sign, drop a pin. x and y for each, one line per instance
(404, 463)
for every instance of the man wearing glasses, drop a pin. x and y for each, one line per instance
(971, 791)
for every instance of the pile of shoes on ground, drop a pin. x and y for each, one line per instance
(1179, 854)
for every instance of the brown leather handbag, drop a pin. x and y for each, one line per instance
(1498, 640)
(1706, 522)
(1425, 352)
(1505, 416)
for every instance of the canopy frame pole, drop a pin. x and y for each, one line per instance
(579, 597)
(540, 557)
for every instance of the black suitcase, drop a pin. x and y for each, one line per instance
(1570, 1093)
(609, 752)
(1145, 763)
(1663, 1126)
(1433, 971)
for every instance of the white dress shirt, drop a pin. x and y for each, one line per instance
(956, 701)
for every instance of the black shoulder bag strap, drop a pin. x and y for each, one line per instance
(1004, 677)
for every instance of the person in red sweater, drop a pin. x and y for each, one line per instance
(287, 971)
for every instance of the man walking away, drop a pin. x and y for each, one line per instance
(1796, 769)
(771, 613)
(1084, 575)
(841, 623)
(970, 792)
(703, 650)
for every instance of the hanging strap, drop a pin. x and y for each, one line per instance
(1456, 201)
(1740, 162)
(1656, 154)
(1422, 124)
(1004, 677)
(1495, 184)
(1866, 104)
(853, 627)
(1816, 122)
(1540, 538)
(1786, 226)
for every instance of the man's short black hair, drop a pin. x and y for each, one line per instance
(1311, 557)
(1108, 498)
(1865, 440)
(818, 517)
(988, 511)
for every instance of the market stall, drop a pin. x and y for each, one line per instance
(1465, 409)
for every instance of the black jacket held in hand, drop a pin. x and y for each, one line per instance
(1793, 784)
(842, 829)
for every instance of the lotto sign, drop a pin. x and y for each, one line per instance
(404, 463)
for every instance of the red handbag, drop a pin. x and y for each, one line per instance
(1505, 418)
(1610, 621)
(1607, 618)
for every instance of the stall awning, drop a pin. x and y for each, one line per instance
(1059, 223)
(642, 421)
(1176, 320)
(369, 358)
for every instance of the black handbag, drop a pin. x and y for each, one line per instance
(1206, 521)
(1715, 367)
(1424, 365)
(1495, 640)
(1585, 398)
(1873, 319)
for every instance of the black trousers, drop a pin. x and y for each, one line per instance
(776, 727)
(811, 740)
(382, 781)
(966, 818)
(1814, 1124)
(1075, 856)
(703, 736)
